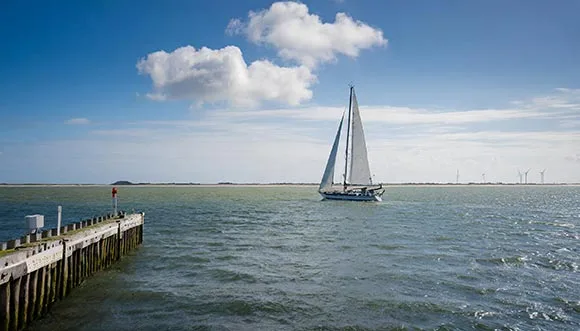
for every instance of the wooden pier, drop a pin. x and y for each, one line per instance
(37, 270)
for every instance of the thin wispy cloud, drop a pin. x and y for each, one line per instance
(253, 152)
(560, 107)
(417, 144)
(78, 121)
(395, 115)
(125, 132)
(562, 98)
(574, 158)
(423, 147)
(570, 123)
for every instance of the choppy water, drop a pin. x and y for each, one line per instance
(446, 258)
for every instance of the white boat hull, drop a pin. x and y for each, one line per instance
(349, 196)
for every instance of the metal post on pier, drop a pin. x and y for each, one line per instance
(114, 194)
(59, 220)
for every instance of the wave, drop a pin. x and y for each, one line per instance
(224, 275)
(387, 247)
(511, 261)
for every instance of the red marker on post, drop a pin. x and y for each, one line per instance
(114, 194)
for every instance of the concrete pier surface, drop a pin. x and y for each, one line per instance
(38, 269)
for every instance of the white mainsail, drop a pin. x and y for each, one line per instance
(328, 176)
(360, 173)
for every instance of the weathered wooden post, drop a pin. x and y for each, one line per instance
(5, 301)
(24, 296)
(15, 303)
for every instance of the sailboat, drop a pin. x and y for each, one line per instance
(357, 184)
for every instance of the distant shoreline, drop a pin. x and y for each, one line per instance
(277, 185)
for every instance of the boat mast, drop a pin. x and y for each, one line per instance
(347, 136)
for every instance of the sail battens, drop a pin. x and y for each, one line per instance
(359, 163)
(328, 177)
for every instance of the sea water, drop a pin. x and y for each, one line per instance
(278, 258)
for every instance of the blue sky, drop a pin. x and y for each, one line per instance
(94, 92)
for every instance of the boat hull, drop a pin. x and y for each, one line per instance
(349, 196)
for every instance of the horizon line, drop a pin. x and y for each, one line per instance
(225, 183)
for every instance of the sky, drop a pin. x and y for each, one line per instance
(253, 91)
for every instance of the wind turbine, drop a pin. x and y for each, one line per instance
(457, 177)
(542, 175)
(520, 174)
(483, 177)
(526, 174)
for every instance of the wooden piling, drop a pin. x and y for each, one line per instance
(15, 303)
(24, 296)
(41, 282)
(5, 301)
(53, 282)
(47, 289)
(33, 295)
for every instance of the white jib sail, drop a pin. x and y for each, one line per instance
(360, 173)
(328, 176)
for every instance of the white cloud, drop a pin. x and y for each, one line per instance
(221, 75)
(573, 123)
(422, 147)
(568, 90)
(303, 37)
(261, 152)
(564, 99)
(435, 158)
(574, 158)
(78, 121)
(560, 107)
(126, 132)
(394, 115)
(293, 144)
(208, 76)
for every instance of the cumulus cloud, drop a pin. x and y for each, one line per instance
(303, 37)
(221, 75)
(208, 75)
(78, 121)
